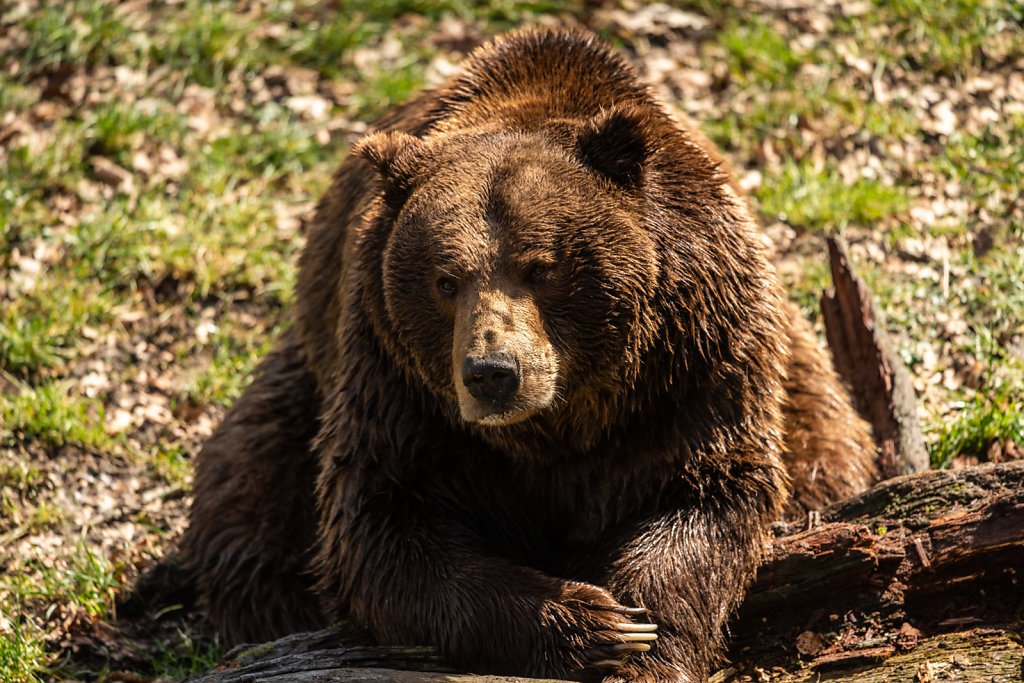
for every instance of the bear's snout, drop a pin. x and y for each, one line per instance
(504, 368)
(494, 377)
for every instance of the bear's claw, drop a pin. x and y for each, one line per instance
(610, 663)
(638, 637)
(633, 638)
(631, 647)
(631, 611)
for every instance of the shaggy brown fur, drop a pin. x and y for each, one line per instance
(830, 454)
(541, 376)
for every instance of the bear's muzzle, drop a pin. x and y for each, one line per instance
(504, 368)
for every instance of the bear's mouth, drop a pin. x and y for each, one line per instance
(493, 413)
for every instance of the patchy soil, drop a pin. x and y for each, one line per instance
(941, 261)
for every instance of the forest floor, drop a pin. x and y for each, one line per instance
(158, 159)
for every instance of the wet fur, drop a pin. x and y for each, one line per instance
(649, 481)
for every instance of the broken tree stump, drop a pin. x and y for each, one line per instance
(920, 561)
(880, 385)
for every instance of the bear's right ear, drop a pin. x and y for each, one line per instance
(396, 155)
(616, 144)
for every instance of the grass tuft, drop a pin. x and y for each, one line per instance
(22, 651)
(53, 415)
(35, 594)
(821, 200)
(993, 417)
(191, 655)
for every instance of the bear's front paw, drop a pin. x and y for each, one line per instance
(598, 634)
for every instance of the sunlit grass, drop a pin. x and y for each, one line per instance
(820, 199)
(992, 416)
(22, 650)
(52, 414)
(30, 596)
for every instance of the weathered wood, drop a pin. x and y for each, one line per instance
(326, 655)
(387, 676)
(330, 655)
(349, 649)
(880, 385)
(910, 564)
(918, 555)
(989, 656)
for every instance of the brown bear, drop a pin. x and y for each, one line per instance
(537, 393)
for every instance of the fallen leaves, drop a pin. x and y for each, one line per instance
(121, 179)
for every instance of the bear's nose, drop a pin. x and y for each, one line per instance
(494, 377)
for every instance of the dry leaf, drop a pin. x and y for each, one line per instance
(809, 643)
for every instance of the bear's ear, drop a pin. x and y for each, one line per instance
(615, 143)
(396, 155)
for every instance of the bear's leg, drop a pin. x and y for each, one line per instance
(253, 520)
(689, 569)
(831, 454)
(409, 576)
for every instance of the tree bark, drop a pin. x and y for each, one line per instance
(916, 556)
(981, 655)
(879, 383)
(916, 579)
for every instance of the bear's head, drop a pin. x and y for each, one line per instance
(523, 271)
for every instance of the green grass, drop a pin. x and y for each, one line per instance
(234, 348)
(950, 36)
(993, 416)
(91, 581)
(821, 200)
(78, 32)
(31, 596)
(22, 654)
(53, 415)
(759, 55)
(171, 462)
(192, 655)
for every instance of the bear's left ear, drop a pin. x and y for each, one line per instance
(396, 155)
(615, 143)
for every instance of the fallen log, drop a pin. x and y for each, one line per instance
(992, 656)
(888, 580)
(916, 556)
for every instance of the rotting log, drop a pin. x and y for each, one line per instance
(864, 357)
(981, 655)
(332, 655)
(916, 556)
(882, 583)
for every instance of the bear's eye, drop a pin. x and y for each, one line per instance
(538, 273)
(447, 286)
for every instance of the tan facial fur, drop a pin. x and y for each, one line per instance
(494, 322)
